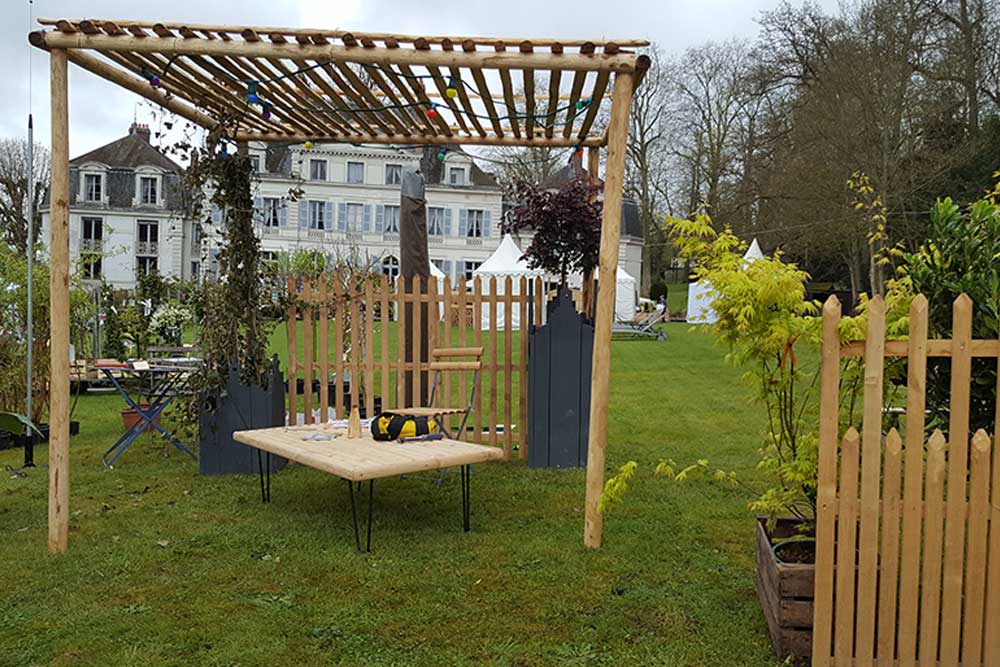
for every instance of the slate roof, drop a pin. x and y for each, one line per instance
(631, 225)
(130, 152)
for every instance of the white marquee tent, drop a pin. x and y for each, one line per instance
(700, 297)
(626, 293)
(505, 261)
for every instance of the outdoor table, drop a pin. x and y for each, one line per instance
(165, 382)
(363, 459)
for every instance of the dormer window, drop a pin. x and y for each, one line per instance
(255, 163)
(149, 190)
(317, 170)
(456, 176)
(355, 172)
(93, 187)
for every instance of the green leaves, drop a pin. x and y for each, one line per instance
(15, 423)
(616, 486)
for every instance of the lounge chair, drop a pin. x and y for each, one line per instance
(644, 327)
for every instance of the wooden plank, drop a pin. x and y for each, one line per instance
(871, 469)
(958, 463)
(600, 382)
(930, 594)
(553, 102)
(433, 322)
(355, 357)
(369, 330)
(522, 369)
(383, 292)
(477, 340)
(508, 367)
(494, 361)
(539, 302)
(975, 576)
(451, 352)
(59, 407)
(935, 348)
(308, 353)
(916, 398)
(417, 339)
(462, 300)
(991, 643)
(445, 396)
(340, 308)
(488, 101)
(600, 85)
(455, 366)
(400, 342)
(571, 111)
(889, 553)
(826, 488)
(324, 349)
(846, 540)
(293, 354)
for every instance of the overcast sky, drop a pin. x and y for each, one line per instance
(101, 112)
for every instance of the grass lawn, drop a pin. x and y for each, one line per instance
(169, 568)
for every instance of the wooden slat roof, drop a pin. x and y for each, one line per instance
(338, 86)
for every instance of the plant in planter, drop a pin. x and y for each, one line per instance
(237, 386)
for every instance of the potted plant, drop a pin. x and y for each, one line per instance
(237, 386)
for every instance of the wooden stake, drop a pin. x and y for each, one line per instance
(59, 309)
(610, 234)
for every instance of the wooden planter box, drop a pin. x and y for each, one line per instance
(785, 591)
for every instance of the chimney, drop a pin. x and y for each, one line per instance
(141, 130)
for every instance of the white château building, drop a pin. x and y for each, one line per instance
(126, 216)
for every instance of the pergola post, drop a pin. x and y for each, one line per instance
(59, 308)
(614, 176)
(593, 166)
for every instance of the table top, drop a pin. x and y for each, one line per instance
(359, 459)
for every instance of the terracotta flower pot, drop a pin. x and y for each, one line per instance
(130, 417)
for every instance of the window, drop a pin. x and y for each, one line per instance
(93, 189)
(355, 172)
(391, 219)
(475, 225)
(456, 176)
(148, 190)
(255, 162)
(393, 174)
(316, 215)
(390, 267)
(90, 250)
(435, 221)
(355, 216)
(145, 265)
(317, 170)
(268, 257)
(469, 268)
(149, 231)
(195, 270)
(272, 209)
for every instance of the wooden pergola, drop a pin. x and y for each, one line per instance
(325, 86)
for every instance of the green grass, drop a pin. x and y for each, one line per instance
(169, 568)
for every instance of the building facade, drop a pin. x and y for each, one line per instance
(127, 215)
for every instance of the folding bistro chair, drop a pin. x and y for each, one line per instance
(444, 360)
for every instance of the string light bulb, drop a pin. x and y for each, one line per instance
(581, 103)
(579, 151)
(452, 90)
(266, 113)
(442, 154)
(252, 96)
(223, 151)
(432, 111)
(153, 79)
(308, 145)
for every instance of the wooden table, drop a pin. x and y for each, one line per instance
(363, 459)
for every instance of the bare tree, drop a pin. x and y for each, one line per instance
(14, 190)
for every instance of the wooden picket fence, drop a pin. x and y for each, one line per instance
(351, 330)
(908, 532)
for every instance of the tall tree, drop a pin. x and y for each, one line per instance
(14, 190)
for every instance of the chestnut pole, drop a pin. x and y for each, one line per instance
(593, 166)
(59, 308)
(614, 176)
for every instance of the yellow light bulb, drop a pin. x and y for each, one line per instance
(309, 145)
(452, 93)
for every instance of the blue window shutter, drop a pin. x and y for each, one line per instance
(487, 223)
(216, 215)
(303, 214)
(447, 222)
(283, 213)
(342, 216)
(463, 222)
(379, 218)
(328, 215)
(367, 220)
(258, 210)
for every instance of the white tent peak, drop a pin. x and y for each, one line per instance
(506, 260)
(753, 253)
(436, 272)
